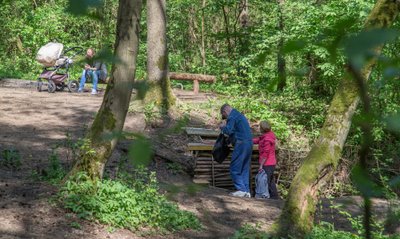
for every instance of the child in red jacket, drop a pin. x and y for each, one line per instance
(267, 159)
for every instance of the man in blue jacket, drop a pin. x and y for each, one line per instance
(238, 129)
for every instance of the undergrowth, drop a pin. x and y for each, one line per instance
(125, 204)
(10, 158)
(323, 230)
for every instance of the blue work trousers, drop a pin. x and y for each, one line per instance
(93, 74)
(240, 165)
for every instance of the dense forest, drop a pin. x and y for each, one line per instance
(305, 66)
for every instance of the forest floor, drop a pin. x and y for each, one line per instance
(36, 122)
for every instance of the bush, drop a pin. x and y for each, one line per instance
(326, 231)
(54, 172)
(124, 205)
(10, 158)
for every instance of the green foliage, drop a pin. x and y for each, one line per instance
(256, 110)
(76, 225)
(175, 168)
(323, 230)
(150, 112)
(244, 58)
(10, 158)
(26, 27)
(248, 231)
(289, 113)
(393, 217)
(125, 203)
(357, 223)
(327, 231)
(54, 172)
(140, 151)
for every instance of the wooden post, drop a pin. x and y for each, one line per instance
(196, 87)
(212, 171)
(251, 179)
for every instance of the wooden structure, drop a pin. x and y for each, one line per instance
(196, 78)
(208, 171)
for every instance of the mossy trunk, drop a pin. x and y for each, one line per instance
(157, 56)
(298, 213)
(111, 115)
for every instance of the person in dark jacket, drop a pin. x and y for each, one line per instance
(238, 129)
(267, 158)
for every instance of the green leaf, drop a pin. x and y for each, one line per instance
(106, 55)
(364, 183)
(142, 87)
(294, 45)
(260, 59)
(395, 183)
(140, 151)
(361, 46)
(80, 7)
(393, 122)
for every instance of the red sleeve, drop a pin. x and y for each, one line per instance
(256, 140)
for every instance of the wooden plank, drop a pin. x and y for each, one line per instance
(208, 147)
(199, 146)
(201, 132)
(192, 77)
(201, 181)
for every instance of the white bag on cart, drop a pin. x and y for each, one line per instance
(49, 53)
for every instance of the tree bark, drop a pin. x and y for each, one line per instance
(228, 35)
(313, 75)
(298, 213)
(280, 57)
(111, 115)
(203, 37)
(157, 56)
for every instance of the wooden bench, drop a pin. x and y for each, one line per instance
(196, 78)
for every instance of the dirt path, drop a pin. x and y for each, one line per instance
(34, 122)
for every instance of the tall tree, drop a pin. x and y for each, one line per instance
(157, 56)
(203, 47)
(111, 115)
(281, 58)
(317, 169)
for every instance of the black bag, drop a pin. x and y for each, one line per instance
(221, 149)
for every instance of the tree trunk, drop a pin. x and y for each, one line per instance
(157, 56)
(280, 57)
(313, 73)
(112, 113)
(203, 37)
(227, 33)
(298, 213)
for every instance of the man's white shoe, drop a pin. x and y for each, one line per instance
(94, 92)
(240, 194)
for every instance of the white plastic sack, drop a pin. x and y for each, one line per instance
(49, 53)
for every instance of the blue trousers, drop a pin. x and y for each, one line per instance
(240, 165)
(93, 74)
